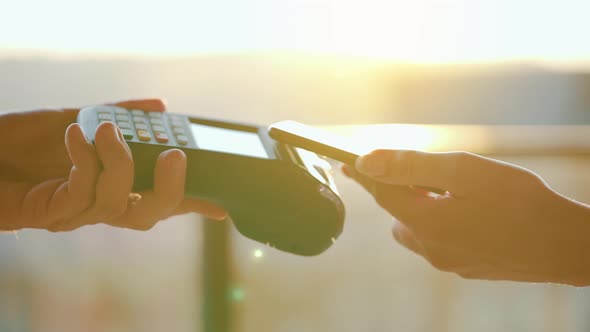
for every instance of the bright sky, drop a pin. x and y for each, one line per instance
(406, 30)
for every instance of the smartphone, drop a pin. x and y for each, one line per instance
(316, 140)
(323, 143)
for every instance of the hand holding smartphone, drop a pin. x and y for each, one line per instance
(321, 142)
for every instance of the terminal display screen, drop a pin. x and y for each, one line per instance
(228, 141)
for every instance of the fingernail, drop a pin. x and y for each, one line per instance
(371, 165)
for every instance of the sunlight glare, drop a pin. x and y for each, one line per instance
(413, 137)
(422, 31)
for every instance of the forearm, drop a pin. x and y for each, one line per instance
(22, 125)
(576, 217)
(29, 141)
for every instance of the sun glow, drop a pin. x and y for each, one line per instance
(431, 31)
(442, 31)
(415, 137)
(406, 137)
(498, 139)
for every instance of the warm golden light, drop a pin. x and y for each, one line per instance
(428, 31)
(443, 31)
(500, 139)
(394, 136)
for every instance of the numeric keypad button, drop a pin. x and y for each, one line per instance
(161, 137)
(159, 128)
(144, 135)
(157, 121)
(176, 123)
(182, 140)
(127, 133)
(178, 131)
(105, 116)
(139, 119)
(124, 125)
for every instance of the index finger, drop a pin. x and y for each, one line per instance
(148, 105)
(402, 202)
(452, 171)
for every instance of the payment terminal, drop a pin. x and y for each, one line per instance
(275, 193)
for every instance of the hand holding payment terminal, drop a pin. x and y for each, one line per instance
(275, 194)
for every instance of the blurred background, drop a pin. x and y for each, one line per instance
(503, 78)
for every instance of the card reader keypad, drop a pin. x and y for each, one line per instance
(155, 127)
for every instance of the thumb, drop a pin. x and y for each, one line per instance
(415, 168)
